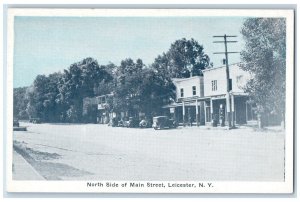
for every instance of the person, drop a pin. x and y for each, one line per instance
(190, 120)
(215, 120)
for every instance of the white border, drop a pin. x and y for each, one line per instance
(149, 12)
(219, 186)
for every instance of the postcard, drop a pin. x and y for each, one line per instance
(150, 100)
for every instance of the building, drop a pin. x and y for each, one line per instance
(215, 92)
(189, 106)
(97, 108)
(199, 99)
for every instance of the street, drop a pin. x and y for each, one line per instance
(100, 152)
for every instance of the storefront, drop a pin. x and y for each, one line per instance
(216, 107)
(187, 112)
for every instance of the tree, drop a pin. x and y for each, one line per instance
(106, 86)
(59, 96)
(20, 103)
(52, 109)
(183, 57)
(127, 80)
(264, 56)
(154, 92)
(36, 96)
(140, 89)
(42, 98)
(78, 82)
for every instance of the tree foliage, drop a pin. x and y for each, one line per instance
(78, 82)
(138, 88)
(58, 97)
(264, 56)
(20, 103)
(135, 87)
(183, 57)
(42, 97)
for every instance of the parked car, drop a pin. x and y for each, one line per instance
(144, 123)
(35, 120)
(131, 123)
(16, 123)
(113, 122)
(121, 123)
(161, 122)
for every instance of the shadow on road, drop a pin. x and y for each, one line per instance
(49, 170)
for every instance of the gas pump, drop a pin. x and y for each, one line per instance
(222, 115)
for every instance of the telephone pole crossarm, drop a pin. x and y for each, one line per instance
(226, 36)
(223, 41)
(225, 52)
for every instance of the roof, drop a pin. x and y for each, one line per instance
(213, 68)
(185, 79)
(106, 95)
(160, 116)
(191, 101)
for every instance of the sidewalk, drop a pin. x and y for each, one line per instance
(22, 170)
(209, 127)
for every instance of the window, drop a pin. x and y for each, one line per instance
(214, 85)
(181, 92)
(103, 100)
(194, 90)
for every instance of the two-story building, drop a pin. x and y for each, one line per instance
(98, 108)
(200, 98)
(236, 101)
(215, 92)
(189, 105)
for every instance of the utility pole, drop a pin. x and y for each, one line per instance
(230, 115)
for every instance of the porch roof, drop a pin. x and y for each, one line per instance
(223, 96)
(192, 100)
(174, 105)
(187, 103)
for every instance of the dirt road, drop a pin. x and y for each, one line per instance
(100, 152)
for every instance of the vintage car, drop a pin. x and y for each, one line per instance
(131, 123)
(161, 122)
(35, 120)
(145, 123)
(113, 122)
(121, 123)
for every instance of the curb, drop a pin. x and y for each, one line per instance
(22, 170)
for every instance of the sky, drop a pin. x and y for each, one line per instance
(44, 45)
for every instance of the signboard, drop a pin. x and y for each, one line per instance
(100, 106)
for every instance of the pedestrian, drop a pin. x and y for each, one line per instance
(190, 121)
